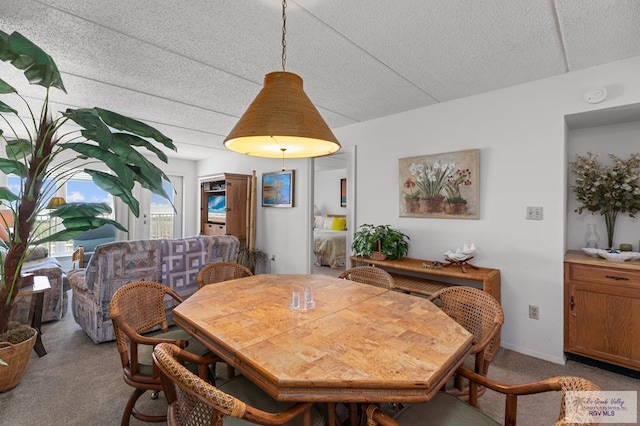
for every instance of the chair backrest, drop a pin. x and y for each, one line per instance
(221, 271)
(369, 275)
(138, 307)
(572, 383)
(375, 416)
(192, 401)
(477, 311)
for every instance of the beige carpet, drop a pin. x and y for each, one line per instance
(80, 383)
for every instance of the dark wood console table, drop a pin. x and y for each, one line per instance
(411, 276)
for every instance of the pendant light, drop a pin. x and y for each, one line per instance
(282, 119)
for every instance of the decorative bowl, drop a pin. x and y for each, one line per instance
(594, 252)
(619, 256)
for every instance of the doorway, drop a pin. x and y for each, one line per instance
(330, 201)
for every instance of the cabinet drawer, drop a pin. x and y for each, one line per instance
(214, 229)
(598, 274)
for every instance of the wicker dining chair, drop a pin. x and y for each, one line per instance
(481, 315)
(445, 409)
(369, 275)
(195, 402)
(221, 271)
(136, 309)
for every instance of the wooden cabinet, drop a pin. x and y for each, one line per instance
(224, 205)
(602, 309)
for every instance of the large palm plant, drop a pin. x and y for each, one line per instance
(35, 142)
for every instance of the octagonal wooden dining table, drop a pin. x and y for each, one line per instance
(360, 343)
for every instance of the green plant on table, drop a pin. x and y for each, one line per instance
(47, 148)
(368, 238)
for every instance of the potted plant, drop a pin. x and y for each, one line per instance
(432, 180)
(49, 148)
(251, 258)
(380, 242)
(412, 198)
(607, 189)
(456, 204)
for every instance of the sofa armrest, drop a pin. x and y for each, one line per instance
(77, 280)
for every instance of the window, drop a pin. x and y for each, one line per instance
(79, 189)
(162, 215)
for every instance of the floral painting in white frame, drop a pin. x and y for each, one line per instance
(443, 185)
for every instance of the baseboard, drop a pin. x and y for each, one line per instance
(535, 354)
(604, 365)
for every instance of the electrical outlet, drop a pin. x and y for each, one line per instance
(534, 313)
(534, 213)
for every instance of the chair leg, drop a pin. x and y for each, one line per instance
(130, 410)
(353, 414)
(331, 413)
(230, 371)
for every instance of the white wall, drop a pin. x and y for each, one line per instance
(327, 191)
(520, 132)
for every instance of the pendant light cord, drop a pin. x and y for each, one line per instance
(284, 33)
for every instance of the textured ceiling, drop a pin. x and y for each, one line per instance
(191, 68)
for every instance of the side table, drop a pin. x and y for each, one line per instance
(40, 285)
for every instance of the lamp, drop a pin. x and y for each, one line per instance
(282, 119)
(55, 202)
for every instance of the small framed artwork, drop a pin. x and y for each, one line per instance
(278, 189)
(343, 193)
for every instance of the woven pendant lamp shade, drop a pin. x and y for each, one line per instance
(55, 202)
(282, 116)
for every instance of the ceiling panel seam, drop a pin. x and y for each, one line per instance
(375, 58)
(157, 46)
(164, 98)
(556, 21)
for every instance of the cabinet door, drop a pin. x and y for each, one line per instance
(237, 207)
(604, 322)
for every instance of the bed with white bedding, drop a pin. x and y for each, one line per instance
(330, 240)
(330, 247)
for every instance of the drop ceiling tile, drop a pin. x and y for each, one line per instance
(603, 32)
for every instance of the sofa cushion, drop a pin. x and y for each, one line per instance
(122, 262)
(181, 261)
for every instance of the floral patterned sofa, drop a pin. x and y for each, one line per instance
(174, 263)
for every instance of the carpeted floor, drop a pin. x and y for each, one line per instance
(80, 383)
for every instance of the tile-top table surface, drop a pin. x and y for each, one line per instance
(361, 343)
